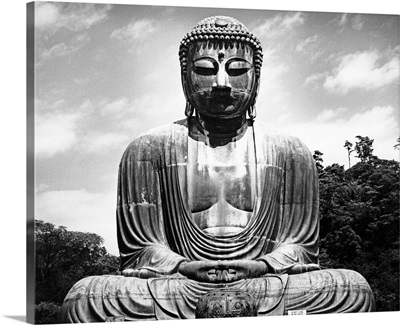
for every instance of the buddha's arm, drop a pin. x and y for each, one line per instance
(291, 259)
(140, 228)
(153, 261)
(296, 247)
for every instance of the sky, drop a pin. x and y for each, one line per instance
(106, 73)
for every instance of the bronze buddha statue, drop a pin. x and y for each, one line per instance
(217, 201)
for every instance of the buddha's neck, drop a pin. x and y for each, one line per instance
(222, 128)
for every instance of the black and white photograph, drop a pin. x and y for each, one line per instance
(193, 161)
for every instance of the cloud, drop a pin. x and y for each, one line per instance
(81, 81)
(80, 210)
(41, 188)
(274, 68)
(43, 105)
(362, 70)
(329, 130)
(118, 107)
(46, 14)
(279, 24)
(304, 44)
(315, 79)
(357, 22)
(96, 142)
(55, 133)
(63, 49)
(135, 32)
(342, 20)
(149, 111)
(86, 107)
(120, 120)
(59, 50)
(56, 129)
(51, 17)
(274, 95)
(143, 112)
(310, 47)
(329, 114)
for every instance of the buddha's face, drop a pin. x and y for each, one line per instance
(220, 81)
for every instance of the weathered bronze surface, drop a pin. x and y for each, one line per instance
(225, 303)
(217, 203)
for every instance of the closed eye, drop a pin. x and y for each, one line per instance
(206, 67)
(237, 67)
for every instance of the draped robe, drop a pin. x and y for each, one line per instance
(156, 232)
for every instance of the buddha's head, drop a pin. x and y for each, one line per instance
(220, 67)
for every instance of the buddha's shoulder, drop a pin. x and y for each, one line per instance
(165, 131)
(157, 137)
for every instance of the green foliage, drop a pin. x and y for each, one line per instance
(359, 222)
(62, 258)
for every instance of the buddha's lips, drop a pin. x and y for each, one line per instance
(221, 97)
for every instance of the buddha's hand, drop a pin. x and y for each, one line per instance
(139, 273)
(223, 271)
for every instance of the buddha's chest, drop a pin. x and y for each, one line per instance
(221, 185)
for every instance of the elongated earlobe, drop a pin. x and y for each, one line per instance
(189, 109)
(252, 112)
(252, 108)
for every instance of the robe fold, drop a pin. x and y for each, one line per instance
(155, 228)
(118, 298)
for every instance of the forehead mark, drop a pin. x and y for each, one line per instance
(221, 55)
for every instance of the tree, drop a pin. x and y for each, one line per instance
(348, 145)
(62, 258)
(47, 313)
(359, 223)
(318, 160)
(364, 148)
(397, 145)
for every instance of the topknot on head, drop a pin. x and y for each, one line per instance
(216, 23)
(220, 29)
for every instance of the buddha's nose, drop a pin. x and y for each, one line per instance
(222, 80)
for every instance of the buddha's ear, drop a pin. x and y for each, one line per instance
(257, 87)
(252, 107)
(183, 80)
(189, 109)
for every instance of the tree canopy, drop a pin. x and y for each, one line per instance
(62, 258)
(359, 221)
